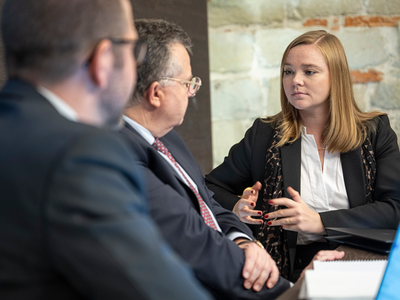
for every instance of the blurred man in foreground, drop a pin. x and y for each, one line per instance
(73, 220)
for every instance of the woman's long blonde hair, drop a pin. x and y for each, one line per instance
(348, 126)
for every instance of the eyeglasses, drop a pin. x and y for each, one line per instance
(139, 50)
(192, 86)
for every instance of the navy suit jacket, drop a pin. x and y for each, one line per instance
(216, 261)
(73, 220)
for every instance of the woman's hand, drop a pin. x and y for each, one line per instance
(244, 208)
(297, 217)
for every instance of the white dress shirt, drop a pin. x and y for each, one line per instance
(60, 105)
(146, 134)
(322, 190)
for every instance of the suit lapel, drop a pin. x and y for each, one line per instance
(172, 178)
(353, 174)
(176, 155)
(291, 168)
(131, 131)
(189, 165)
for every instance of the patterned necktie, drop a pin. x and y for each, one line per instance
(203, 209)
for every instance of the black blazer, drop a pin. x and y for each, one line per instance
(245, 165)
(216, 261)
(73, 220)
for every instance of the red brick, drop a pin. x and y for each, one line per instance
(371, 21)
(363, 77)
(315, 22)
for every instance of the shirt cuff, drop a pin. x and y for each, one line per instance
(237, 234)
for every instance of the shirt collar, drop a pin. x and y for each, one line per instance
(140, 129)
(63, 108)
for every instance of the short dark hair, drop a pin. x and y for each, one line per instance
(159, 35)
(49, 38)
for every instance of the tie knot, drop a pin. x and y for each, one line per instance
(159, 146)
(156, 141)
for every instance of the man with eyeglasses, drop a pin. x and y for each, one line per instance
(74, 223)
(212, 240)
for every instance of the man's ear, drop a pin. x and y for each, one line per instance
(154, 94)
(102, 63)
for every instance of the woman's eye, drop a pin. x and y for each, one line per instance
(309, 72)
(287, 72)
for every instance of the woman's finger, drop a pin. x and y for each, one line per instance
(246, 203)
(251, 212)
(294, 194)
(250, 220)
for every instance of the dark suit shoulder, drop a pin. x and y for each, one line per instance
(262, 126)
(383, 138)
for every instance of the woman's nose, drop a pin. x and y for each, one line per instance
(297, 79)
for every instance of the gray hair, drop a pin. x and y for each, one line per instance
(159, 35)
(49, 38)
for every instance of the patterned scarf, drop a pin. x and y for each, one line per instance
(274, 238)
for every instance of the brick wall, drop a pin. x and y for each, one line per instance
(247, 39)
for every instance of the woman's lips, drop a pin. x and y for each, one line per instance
(298, 94)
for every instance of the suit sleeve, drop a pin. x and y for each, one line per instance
(229, 179)
(98, 232)
(227, 220)
(216, 261)
(384, 212)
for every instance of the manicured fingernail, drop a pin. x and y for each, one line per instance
(261, 222)
(259, 213)
(252, 204)
(271, 202)
(265, 216)
(269, 223)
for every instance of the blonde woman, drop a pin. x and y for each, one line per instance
(320, 162)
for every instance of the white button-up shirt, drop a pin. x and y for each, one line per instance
(321, 190)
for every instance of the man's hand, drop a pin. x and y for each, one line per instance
(323, 256)
(259, 268)
(244, 208)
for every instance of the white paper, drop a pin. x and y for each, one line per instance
(351, 266)
(343, 280)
